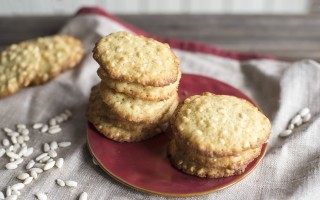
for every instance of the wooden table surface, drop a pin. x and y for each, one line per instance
(287, 37)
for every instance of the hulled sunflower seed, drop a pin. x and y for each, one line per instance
(41, 196)
(52, 122)
(46, 147)
(34, 175)
(37, 125)
(71, 183)
(25, 132)
(14, 139)
(54, 130)
(7, 130)
(21, 126)
(49, 165)
(28, 180)
(285, 133)
(53, 145)
(306, 118)
(68, 112)
(20, 139)
(60, 182)
(2, 152)
(8, 191)
(52, 153)
(28, 152)
(18, 161)
(16, 192)
(30, 164)
(44, 128)
(297, 120)
(1, 195)
(22, 151)
(17, 186)
(5, 142)
(11, 166)
(94, 161)
(83, 196)
(37, 170)
(41, 156)
(59, 162)
(12, 155)
(39, 165)
(64, 144)
(23, 176)
(59, 119)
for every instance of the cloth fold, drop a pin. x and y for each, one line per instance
(290, 169)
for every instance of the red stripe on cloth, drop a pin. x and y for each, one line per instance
(175, 43)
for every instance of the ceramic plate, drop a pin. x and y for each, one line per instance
(145, 166)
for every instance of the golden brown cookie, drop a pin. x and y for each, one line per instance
(229, 162)
(135, 110)
(135, 90)
(19, 64)
(58, 53)
(137, 59)
(97, 105)
(220, 125)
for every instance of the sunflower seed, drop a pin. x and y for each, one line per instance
(1, 195)
(45, 159)
(306, 118)
(41, 196)
(285, 133)
(59, 162)
(34, 175)
(26, 138)
(17, 186)
(52, 153)
(25, 132)
(49, 165)
(11, 166)
(59, 119)
(12, 159)
(7, 130)
(52, 122)
(37, 125)
(2, 152)
(30, 164)
(68, 112)
(8, 191)
(16, 147)
(14, 139)
(94, 161)
(22, 151)
(44, 128)
(54, 129)
(16, 192)
(20, 139)
(5, 142)
(60, 182)
(10, 148)
(54, 145)
(64, 116)
(37, 170)
(23, 176)
(41, 156)
(71, 183)
(18, 161)
(28, 152)
(297, 120)
(11, 134)
(291, 126)
(46, 147)
(21, 126)
(12, 155)
(83, 196)
(39, 165)
(64, 144)
(28, 180)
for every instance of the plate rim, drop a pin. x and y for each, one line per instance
(240, 176)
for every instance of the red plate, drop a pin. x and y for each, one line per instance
(145, 166)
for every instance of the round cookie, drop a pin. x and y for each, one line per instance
(136, 59)
(189, 166)
(135, 90)
(58, 53)
(229, 162)
(220, 125)
(135, 110)
(97, 105)
(19, 64)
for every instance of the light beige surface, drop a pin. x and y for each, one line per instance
(136, 59)
(220, 125)
(18, 66)
(289, 170)
(139, 91)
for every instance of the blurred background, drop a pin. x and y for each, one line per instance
(67, 7)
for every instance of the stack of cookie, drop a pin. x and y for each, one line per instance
(36, 61)
(138, 90)
(216, 135)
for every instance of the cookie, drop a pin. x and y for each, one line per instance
(19, 64)
(137, 59)
(220, 125)
(58, 53)
(135, 90)
(97, 105)
(135, 110)
(181, 162)
(229, 162)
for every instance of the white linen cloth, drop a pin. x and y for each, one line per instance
(289, 170)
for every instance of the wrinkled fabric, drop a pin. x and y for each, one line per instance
(289, 170)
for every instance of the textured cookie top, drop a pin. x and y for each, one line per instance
(136, 59)
(18, 66)
(220, 125)
(58, 53)
(132, 109)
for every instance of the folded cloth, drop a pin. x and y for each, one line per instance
(290, 169)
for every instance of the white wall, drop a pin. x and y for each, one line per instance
(52, 7)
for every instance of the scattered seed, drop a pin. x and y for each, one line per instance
(297, 120)
(34, 175)
(304, 111)
(52, 122)
(41, 156)
(68, 112)
(12, 197)
(52, 153)
(5, 142)
(1, 195)
(24, 144)
(2, 152)
(21, 126)
(45, 159)
(64, 116)
(12, 155)
(22, 151)
(9, 191)
(71, 183)
(26, 138)
(16, 192)
(60, 182)
(59, 119)
(59, 162)
(41, 196)
(10, 148)
(37, 170)
(39, 165)
(64, 144)
(11, 166)
(14, 139)
(285, 133)
(291, 126)
(18, 161)
(49, 165)
(25, 132)
(37, 125)
(54, 130)
(23, 176)
(46, 147)
(16, 147)
(28, 152)
(44, 128)
(83, 196)
(54, 145)
(28, 180)
(94, 161)
(306, 118)
(12, 159)
(20, 139)
(17, 186)
(30, 164)
(7, 130)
